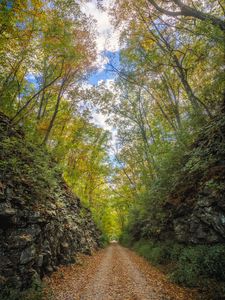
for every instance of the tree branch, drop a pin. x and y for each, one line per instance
(188, 11)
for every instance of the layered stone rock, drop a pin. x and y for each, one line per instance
(196, 206)
(40, 228)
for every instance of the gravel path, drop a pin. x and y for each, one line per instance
(114, 273)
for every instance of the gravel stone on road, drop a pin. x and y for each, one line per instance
(114, 273)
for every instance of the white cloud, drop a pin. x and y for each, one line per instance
(101, 61)
(85, 85)
(108, 83)
(107, 38)
(101, 120)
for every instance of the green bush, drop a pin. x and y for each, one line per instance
(187, 271)
(30, 164)
(126, 239)
(36, 292)
(173, 250)
(154, 252)
(192, 264)
(199, 262)
(104, 240)
(214, 262)
(158, 252)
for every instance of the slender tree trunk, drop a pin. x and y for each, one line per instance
(179, 69)
(59, 97)
(33, 97)
(11, 74)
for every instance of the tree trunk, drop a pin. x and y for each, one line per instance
(59, 97)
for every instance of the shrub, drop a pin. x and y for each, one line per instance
(200, 262)
(174, 251)
(104, 240)
(187, 271)
(30, 165)
(154, 252)
(126, 239)
(36, 292)
(214, 262)
(192, 264)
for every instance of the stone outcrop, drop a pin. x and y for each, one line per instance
(42, 223)
(196, 205)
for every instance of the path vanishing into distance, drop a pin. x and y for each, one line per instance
(114, 273)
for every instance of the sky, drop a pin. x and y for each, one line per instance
(107, 39)
(107, 43)
(104, 71)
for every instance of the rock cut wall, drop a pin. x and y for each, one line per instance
(42, 223)
(197, 203)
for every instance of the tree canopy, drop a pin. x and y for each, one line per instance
(169, 83)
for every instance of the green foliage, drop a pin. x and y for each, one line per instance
(152, 252)
(36, 292)
(200, 261)
(171, 85)
(158, 252)
(104, 240)
(17, 161)
(191, 265)
(188, 271)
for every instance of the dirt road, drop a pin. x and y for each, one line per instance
(114, 273)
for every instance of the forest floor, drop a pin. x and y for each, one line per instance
(114, 273)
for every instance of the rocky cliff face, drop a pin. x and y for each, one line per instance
(42, 224)
(197, 203)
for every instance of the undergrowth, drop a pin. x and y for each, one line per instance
(29, 164)
(38, 291)
(193, 266)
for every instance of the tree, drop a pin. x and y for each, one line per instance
(169, 85)
(188, 11)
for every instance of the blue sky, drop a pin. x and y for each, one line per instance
(108, 49)
(105, 73)
(107, 39)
